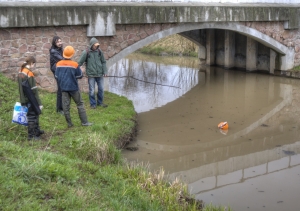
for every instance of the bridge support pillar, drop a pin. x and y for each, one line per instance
(201, 54)
(210, 47)
(287, 61)
(272, 61)
(229, 49)
(251, 54)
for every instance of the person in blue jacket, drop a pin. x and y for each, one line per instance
(67, 72)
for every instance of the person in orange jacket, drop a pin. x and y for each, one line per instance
(67, 72)
(24, 74)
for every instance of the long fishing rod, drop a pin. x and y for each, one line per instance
(143, 81)
(112, 76)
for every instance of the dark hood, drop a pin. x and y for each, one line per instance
(93, 41)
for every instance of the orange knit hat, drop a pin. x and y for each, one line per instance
(68, 52)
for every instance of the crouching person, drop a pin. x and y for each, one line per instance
(29, 97)
(67, 72)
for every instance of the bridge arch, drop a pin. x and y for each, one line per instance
(287, 53)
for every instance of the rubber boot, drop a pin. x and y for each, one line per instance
(69, 121)
(38, 129)
(83, 118)
(32, 131)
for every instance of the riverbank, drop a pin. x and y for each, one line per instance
(79, 168)
(295, 73)
(173, 45)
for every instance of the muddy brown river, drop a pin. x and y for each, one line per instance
(254, 165)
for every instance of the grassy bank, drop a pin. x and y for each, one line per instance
(170, 46)
(79, 168)
(297, 68)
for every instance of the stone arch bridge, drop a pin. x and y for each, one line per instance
(254, 37)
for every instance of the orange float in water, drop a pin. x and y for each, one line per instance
(223, 125)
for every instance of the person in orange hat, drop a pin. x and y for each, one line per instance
(67, 72)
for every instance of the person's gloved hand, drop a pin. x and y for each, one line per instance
(41, 107)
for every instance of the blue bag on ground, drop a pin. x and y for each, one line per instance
(20, 114)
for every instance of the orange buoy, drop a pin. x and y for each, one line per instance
(223, 125)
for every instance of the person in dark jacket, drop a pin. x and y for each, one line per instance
(56, 54)
(96, 70)
(24, 74)
(67, 72)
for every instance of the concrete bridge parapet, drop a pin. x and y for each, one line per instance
(102, 17)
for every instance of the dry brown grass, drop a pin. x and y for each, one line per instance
(175, 43)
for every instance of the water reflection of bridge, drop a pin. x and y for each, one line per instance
(238, 169)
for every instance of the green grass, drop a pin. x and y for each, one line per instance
(149, 50)
(297, 68)
(79, 168)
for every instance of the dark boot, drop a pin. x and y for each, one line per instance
(69, 121)
(83, 118)
(33, 121)
(32, 132)
(38, 130)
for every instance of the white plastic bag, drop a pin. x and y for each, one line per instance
(20, 114)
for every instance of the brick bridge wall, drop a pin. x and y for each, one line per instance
(275, 30)
(17, 43)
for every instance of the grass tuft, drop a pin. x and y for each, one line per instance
(97, 149)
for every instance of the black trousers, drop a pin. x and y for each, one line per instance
(59, 106)
(33, 122)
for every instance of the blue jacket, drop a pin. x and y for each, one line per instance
(67, 72)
